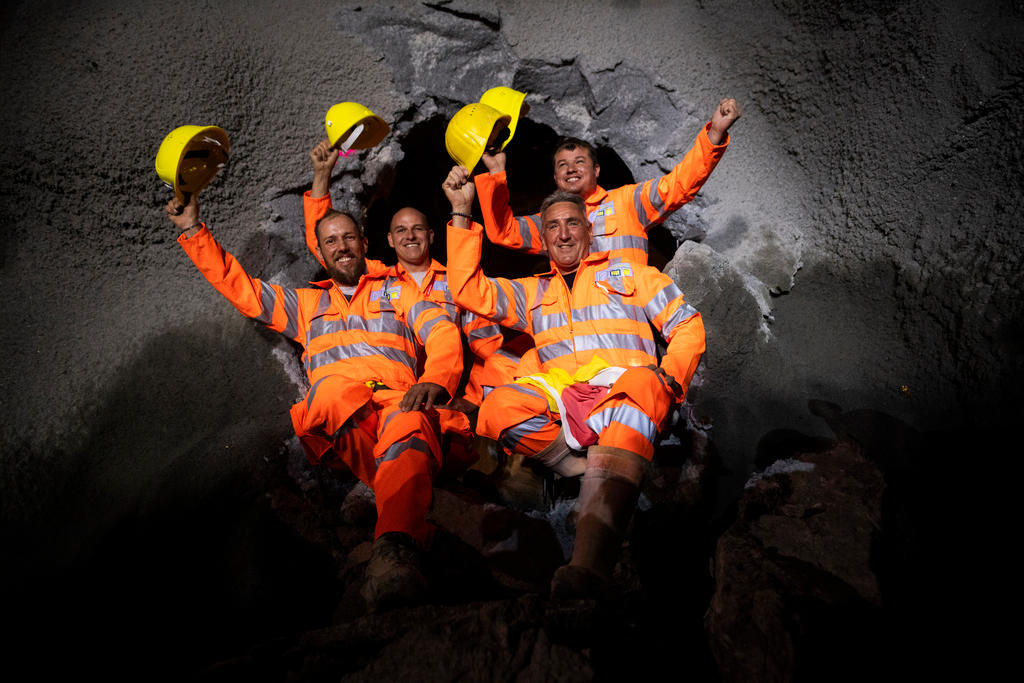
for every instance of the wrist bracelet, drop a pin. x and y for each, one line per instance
(192, 227)
(464, 215)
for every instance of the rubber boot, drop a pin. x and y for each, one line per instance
(394, 577)
(608, 495)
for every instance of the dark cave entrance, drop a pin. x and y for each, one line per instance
(416, 181)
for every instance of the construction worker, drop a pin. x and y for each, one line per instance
(365, 410)
(493, 360)
(599, 388)
(620, 217)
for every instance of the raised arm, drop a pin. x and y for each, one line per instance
(502, 228)
(317, 201)
(276, 307)
(655, 199)
(498, 299)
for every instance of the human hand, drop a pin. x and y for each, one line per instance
(459, 189)
(423, 396)
(184, 217)
(667, 380)
(726, 114)
(495, 163)
(323, 157)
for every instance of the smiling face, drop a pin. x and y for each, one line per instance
(566, 234)
(576, 171)
(342, 248)
(411, 237)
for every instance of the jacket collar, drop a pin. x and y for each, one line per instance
(591, 259)
(596, 197)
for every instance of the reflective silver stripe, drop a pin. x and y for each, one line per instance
(419, 307)
(386, 324)
(660, 301)
(596, 342)
(628, 415)
(542, 323)
(598, 223)
(483, 332)
(519, 294)
(511, 437)
(324, 303)
(425, 328)
(312, 392)
(524, 389)
(268, 297)
(638, 205)
(506, 354)
(682, 314)
(502, 304)
(392, 415)
(617, 310)
(397, 449)
(655, 197)
(542, 288)
(359, 350)
(500, 300)
(549, 352)
(291, 309)
(619, 242)
(524, 229)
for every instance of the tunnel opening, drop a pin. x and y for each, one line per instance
(416, 182)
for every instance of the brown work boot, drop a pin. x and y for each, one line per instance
(393, 576)
(608, 495)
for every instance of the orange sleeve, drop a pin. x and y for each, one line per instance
(313, 209)
(275, 306)
(657, 198)
(439, 337)
(504, 229)
(677, 321)
(501, 300)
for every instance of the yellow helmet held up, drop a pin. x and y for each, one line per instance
(507, 101)
(344, 116)
(473, 129)
(189, 158)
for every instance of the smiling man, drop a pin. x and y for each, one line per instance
(493, 361)
(600, 398)
(367, 410)
(620, 217)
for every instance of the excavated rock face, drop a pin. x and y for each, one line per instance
(858, 245)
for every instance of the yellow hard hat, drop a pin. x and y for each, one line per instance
(344, 116)
(507, 101)
(473, 129)
(190, 156)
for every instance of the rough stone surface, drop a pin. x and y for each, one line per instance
(859, 245)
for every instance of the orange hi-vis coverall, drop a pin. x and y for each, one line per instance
(621, 217)
(606, 316)
(349, 344)
(494, 362)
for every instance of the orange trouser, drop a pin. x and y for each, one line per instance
(630, 416)
(397, 454)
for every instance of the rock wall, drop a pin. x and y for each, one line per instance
(858, 244)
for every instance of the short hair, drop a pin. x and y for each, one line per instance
(560, 196)
(334, 213)
(574, 143)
